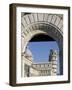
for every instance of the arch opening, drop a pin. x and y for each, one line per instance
(40, 45)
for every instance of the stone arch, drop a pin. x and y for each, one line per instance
(51, 25)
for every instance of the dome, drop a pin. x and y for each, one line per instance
(28, 54)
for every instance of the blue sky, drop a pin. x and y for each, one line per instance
(41, 50)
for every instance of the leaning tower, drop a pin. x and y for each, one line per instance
(53, 59)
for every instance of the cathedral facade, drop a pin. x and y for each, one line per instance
(29, 68)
